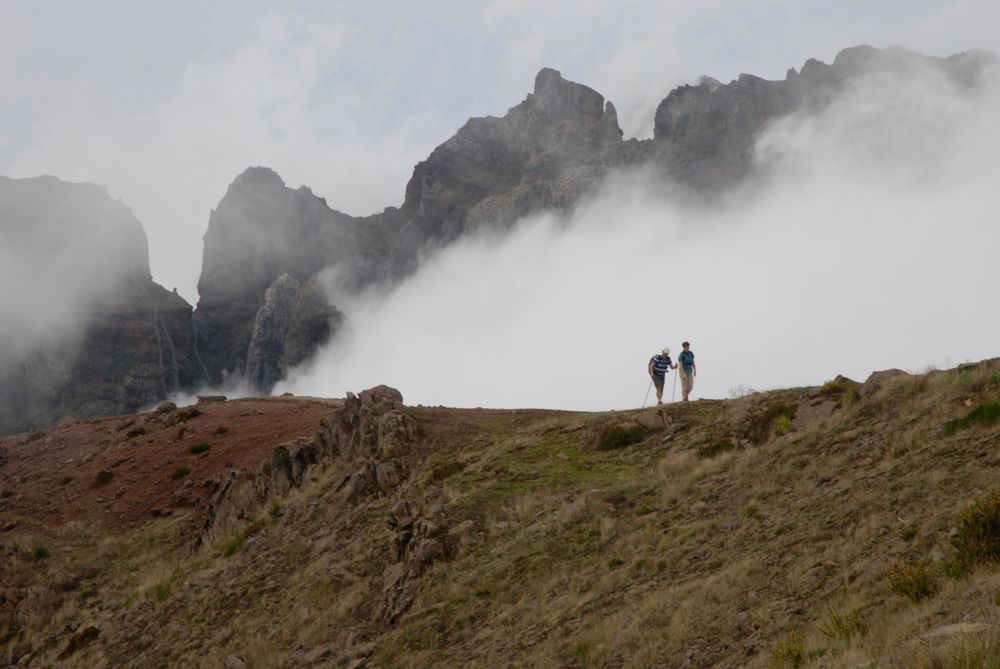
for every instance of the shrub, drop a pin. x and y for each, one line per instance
(275, 510)
(199, 448)
(761, 426)
(40, 552)
(844, 626)
(994, 379)
(180, 473)
(912, 580)
(103, 478)
(714, 448)
(137, 431)
(66, 480)
(7, 494)
(221, 431)
(782, 425)
(977, 536)
(987, 413)
(234, 541)
(909, 533)
(184, 415)
(159, 592)
(615, 562)
(621, 436)
(788, 651)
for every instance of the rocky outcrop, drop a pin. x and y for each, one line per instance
(88, 332)
(417, 543)
(292, 322)
(364, 441)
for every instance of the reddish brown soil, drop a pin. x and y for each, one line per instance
(51, 476)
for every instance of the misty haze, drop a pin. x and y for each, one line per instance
(353, 336)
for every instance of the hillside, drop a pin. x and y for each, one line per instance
(777, 529)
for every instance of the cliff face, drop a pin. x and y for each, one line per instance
(85, 331)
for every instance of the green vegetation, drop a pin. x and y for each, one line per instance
(7, 494)
(184, 415)
(615, 562)
(66, 480)
(987, 413)
(221, 431)
(102, 479)
(199, 448)
(789, 652)
(909, 533)
(275, 510)
(231, 543)
(782, 425)
(843, 626)
(621, 436)
(180, 473)
(912, 580)
(761, 427)
(977, 537)
(160, 592)
(40, 552)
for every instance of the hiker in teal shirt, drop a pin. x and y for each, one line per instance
(688, 370)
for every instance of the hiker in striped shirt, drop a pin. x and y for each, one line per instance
(659, 364)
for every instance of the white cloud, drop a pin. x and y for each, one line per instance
(873, 246)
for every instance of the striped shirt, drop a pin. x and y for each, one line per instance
(660, 363)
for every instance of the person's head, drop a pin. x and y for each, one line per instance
(665, 351)
(686, 345)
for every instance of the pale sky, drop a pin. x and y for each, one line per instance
(165, 103)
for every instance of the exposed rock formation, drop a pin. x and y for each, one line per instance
(365, 440)
(94, 335)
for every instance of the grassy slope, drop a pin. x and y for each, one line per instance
(688, 551)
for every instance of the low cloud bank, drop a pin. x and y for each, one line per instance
(871, 242)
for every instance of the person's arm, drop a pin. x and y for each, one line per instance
(650, 368)
(694, 367)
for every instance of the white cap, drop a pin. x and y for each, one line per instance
(666, 351)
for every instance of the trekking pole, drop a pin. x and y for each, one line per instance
(647, 394)
(673, 393)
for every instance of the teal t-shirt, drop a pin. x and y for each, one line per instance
(686, 358)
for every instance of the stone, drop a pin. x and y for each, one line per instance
(234, 662)
(878, 380)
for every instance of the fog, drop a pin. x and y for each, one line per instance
(870, 243)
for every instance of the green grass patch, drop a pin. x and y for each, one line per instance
(912, 580)
(909, 533)
(789, 652)
(615, 437)
(40, 553)
(180, 473)
(977, 536)
(275, 510)
(102, 478)
(231, 543)
(843, 626)
(7, 494)
(762, 426)
(615, 562)
(199, 448)
(160, 592)
(987, 413)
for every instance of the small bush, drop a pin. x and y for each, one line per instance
(180, 473)
(66, 480)
(40, 553)
(788, 652)
(993, 380)
(912, 580)
(977, 537)
(614, 562)
(445, 470)
(221, 431)
(7, 494)
(160, 592)
(762, 426)
(843, 626)
(909, 533)
(184, 415)
(621, 436)
(199, 448)
(103, 478)
(275, 510)
(782, 425)
(137, 431)
(987, 413)
(233, 542)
